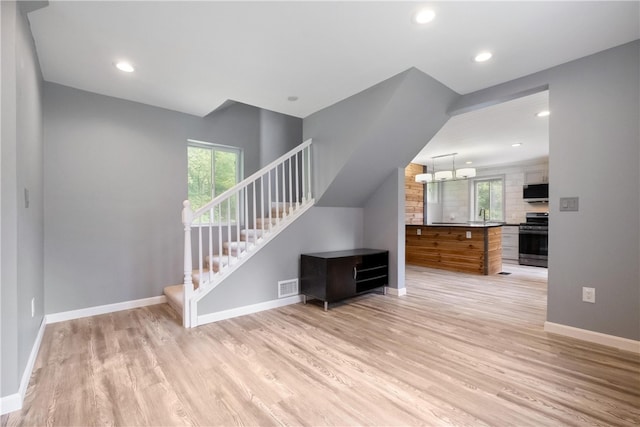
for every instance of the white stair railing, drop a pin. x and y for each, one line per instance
(256, 210)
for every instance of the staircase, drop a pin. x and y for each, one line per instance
(234, 226)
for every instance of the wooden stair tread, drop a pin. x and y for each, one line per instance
(235, 244)
(235, 249)
(219, 261)
(175, 297)
(252, 235)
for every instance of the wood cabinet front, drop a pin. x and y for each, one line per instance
(467, 249)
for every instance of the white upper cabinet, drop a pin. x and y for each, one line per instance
(536, 176)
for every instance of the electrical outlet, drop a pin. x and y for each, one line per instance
(468, 234)
(33, 307)
(419, 231)
(589, 295)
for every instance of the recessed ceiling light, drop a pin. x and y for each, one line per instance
(125, 66)
(424, 16)
(517, 144)
(292, 98)
(483, 56)
(544, 113)
(467, 163)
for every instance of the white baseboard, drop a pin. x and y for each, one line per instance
(248, 309)
(13, 402)
(10, 403)
(594, 337)
(103, 309)
(398, 292)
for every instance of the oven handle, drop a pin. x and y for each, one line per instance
(540, 233)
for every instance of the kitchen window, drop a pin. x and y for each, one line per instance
(432, 192)
(489, 195)
(212, 169)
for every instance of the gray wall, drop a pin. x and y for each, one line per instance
(360, 140)
(278, 134)
(594, 146)
(317, 230)
(116, 176)
(384, 224)
(21, 168)
(594, 142)
(363, 142)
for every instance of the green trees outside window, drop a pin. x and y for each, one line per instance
(489, 195)
(213, 169)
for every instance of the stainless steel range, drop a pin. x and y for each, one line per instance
(534, 240)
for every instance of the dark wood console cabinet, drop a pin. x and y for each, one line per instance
(334, 276)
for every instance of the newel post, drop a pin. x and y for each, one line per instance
(187, 218)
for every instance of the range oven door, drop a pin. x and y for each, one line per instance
(533, 245)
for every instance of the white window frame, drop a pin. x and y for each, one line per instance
(432, 189)
(239, 171)
(474, 208)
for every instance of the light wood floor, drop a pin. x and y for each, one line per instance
(457, 350)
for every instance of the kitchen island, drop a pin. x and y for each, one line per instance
(471, 248)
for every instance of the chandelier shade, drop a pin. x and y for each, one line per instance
(424, 178)
(466, 173)
(445, 175)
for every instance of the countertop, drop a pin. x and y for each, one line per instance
(346, 253)
(461, 224)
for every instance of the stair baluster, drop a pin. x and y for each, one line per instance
(187, 219)
(297, 180)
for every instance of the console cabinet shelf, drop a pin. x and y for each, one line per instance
(337, 275)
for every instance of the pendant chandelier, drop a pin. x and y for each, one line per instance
(445, 174)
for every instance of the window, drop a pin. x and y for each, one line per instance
(212, 169)
(489, 195)
(432, 192)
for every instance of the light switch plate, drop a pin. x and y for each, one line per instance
(569, 204)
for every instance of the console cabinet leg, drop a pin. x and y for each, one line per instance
(326, 306)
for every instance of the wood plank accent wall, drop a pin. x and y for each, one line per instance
(414, 195)
(448, 248)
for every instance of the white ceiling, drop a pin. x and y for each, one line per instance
(194, 56)
(485, 136)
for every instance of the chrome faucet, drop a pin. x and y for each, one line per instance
(483, 214)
